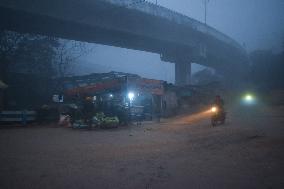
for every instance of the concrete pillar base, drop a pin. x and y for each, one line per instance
(182, 73)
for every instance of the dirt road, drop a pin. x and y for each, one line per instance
(185, 152)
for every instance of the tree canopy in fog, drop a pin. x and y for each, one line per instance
(37, 54)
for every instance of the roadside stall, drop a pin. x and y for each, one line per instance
(113, 98)
(97, 97)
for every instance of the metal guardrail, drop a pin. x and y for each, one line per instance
(151, 8)
(18, 116)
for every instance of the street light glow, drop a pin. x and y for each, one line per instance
(131, 96)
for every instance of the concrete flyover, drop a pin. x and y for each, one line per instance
(132, 24)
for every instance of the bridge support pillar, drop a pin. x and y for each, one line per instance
(182, 73)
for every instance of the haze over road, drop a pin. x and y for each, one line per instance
(185, 152)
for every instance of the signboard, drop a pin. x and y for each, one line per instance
(151, 86)
(143, 85)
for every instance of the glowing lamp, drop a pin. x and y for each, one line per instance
(131, 96)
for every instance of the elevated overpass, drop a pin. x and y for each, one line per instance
(132, 24)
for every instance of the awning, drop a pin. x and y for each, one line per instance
(3, 85)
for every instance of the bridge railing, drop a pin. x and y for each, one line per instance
(175, 16)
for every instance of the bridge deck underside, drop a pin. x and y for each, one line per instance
(109, 25)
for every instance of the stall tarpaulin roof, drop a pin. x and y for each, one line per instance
(93, 83)
(3, 85)
(102, 82)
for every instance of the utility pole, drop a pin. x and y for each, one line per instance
(205, 12)
(156, 2)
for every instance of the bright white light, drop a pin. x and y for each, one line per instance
(248, 98)
(131, 96)
(214, 109)
(111, 95)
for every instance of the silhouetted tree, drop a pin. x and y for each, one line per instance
(26, 53)
(39, 57)
(66, 55)
(35, 55)
(8, 45)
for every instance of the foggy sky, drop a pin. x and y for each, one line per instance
(256, 24)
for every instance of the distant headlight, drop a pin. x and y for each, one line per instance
(248, 98)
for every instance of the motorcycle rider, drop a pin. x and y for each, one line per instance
(219, 102)
(219, 112)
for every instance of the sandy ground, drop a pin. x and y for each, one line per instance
(184, 152)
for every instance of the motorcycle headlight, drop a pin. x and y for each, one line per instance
(214, 109)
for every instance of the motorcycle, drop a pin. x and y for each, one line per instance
(218, 116)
